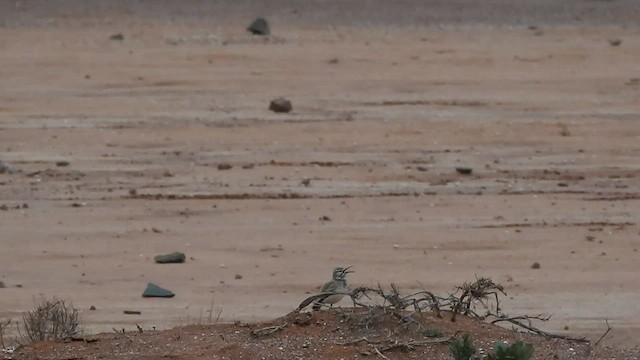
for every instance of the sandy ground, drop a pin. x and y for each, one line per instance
(547, 118)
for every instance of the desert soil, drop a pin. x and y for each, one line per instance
(119, 143)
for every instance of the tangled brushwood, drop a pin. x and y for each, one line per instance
(479, 299)
(50, 320)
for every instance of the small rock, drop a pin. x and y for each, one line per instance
(224, 166)
(223, 266)
(535, 265)
(92, 307)
(154, 290)
(422, 168)
(333, 61)
(590, 237)
(248, 166)
(259, 26)
(4, 207)
(62, 163)
(280, 105)
(173, 258)
(464, 170)
(116, 37)
(238, 277)
(306, 182)
(324, 218)
(2, 286)
(133, 192)
(132, 312)
(563, 184)
(615, 42)
(396, 246)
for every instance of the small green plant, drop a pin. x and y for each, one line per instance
(517, 351)
(462, 348)
(433, 332)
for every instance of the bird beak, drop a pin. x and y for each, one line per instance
(345, 271)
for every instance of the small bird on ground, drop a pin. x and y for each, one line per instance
(335, 289)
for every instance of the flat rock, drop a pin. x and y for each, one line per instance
(173, 258)
(6, 168)
(154, 290)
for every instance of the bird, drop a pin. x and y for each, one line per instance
(335, 289)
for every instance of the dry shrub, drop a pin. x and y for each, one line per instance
(50, 320)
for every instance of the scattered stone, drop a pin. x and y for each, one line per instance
(633, 82)
(87, 76)
(6, 168)
(306, 182)
(173, 258)
(566, 327)
(2, 286)
(19, 286)
(156, 230)
(333, 61)
(133, 192)
(259, 26)
(154, 290)
(248, 166)
(116, 37)
(92, 308)
(464, 170)
(77, 205)
(280, 105)
(224, 166)
(238, 277)
(132, 312)
(563, 184)
(564, 130)
(223, 266)
(4, 207)
(25, 206)
(62, 163)
(615, 42)
(422, 168)
(325, 218)
(535, 265)
(590, 237)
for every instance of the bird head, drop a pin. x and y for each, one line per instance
(340, 273)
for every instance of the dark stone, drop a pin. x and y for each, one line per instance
(224, 166)
(92, 307)
(116, 37)
(280, 105)
(62, 163)
(259, 26)
(154, 290)
(464, 170)
(535, 265)
(615, 42)
(132, 312)
(173, 258)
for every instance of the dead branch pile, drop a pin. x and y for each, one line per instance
(479, 299)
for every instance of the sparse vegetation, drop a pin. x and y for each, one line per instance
(462, 348)
(517, 351)
(50, 320)
(3, 327)
(433, 332)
